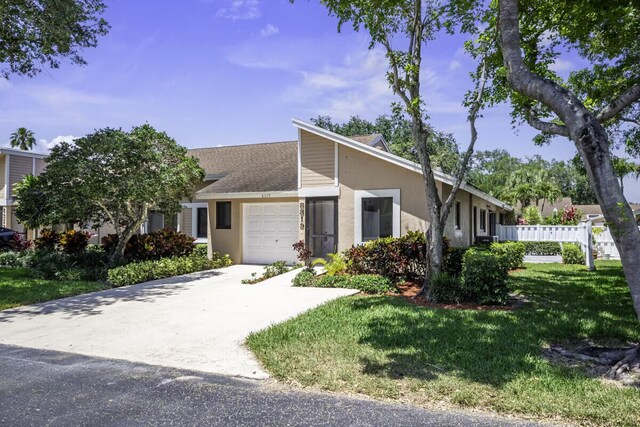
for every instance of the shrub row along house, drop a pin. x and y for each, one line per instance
(331, 191)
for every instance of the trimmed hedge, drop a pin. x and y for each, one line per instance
(512, 251)
(452, 261)
(445, 289)
(144, 271)
(89, 265)
(484, 277)
(542, 248)
(367, 283)
(572, 254)
(10, 259)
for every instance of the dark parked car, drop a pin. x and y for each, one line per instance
(8, 239)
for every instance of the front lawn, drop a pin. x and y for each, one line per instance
(386, 348)
(18, 288)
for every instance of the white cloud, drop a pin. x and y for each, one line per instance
(269, 30)
(562, 65)
(44, 145)
(240, 9)
(454, 65)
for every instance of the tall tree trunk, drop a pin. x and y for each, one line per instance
(123, 238)
(589, 137)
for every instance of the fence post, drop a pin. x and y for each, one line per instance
(589, 245)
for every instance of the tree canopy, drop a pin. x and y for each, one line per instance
(40, 33)
(110, 176)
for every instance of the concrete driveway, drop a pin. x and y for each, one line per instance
(196, 322)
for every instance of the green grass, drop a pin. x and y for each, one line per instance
(386, 348)
(17, 288)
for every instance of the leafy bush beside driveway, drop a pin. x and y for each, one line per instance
(144, 271)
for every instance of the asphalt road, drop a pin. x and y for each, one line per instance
(39, 387)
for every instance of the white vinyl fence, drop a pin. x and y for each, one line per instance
(578, 234)
(605, 245)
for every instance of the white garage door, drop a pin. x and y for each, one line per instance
(270, 230)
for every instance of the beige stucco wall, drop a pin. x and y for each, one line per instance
(230, 241)
(317, 158)
(360, 171)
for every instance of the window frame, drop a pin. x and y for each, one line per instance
(366, 199)
(228, 224)
(394, 193)
(205, 233)
(483, 220)
(457, 215)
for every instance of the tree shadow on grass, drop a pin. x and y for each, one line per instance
(92, 303)
(493, 347)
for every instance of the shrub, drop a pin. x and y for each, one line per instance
(272, 270)
(18, 244)
(445, 289)
(337, 264)
(48, 240)
(73, 241)
(572, 254)
(390, 257)
(452, 261)
(542, 248)
(484, 277)
(306, 278)
(144, 271)
(201, 249)
(9, 259)
(512, 251)
(159, 244)
(302, 252)
(532, 215)
(89, 265)
(373, 284)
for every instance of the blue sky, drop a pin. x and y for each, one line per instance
(223, 72)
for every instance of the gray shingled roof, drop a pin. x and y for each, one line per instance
(366, 139)
(250, 168)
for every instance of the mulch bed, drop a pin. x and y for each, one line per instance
(410, 290)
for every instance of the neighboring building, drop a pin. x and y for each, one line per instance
(14, 166)
(326, 189)
(592, 213)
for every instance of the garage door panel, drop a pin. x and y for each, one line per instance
(270, 230)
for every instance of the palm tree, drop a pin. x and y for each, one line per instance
(624, 167)
(23, 139)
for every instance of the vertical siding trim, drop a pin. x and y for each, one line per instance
(7, 182)
(336, 182)
(299, 158)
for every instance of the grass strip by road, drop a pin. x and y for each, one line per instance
(18, 288)
(386, 348)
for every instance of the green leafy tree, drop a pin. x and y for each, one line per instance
(403, 29)
(623, 168)
(112, 176)
(40, 33)
(529, 39)
(23, 139)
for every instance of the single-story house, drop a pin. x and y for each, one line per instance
(591, 213)
(326, 189)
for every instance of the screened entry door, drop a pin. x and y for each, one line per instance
(322, 226)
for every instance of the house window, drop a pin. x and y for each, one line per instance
(457, 215)
(156, 221)
(201, 230)
(223, 215)
(483, 220)
(377, 218)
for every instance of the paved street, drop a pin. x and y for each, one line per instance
(41, 387)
